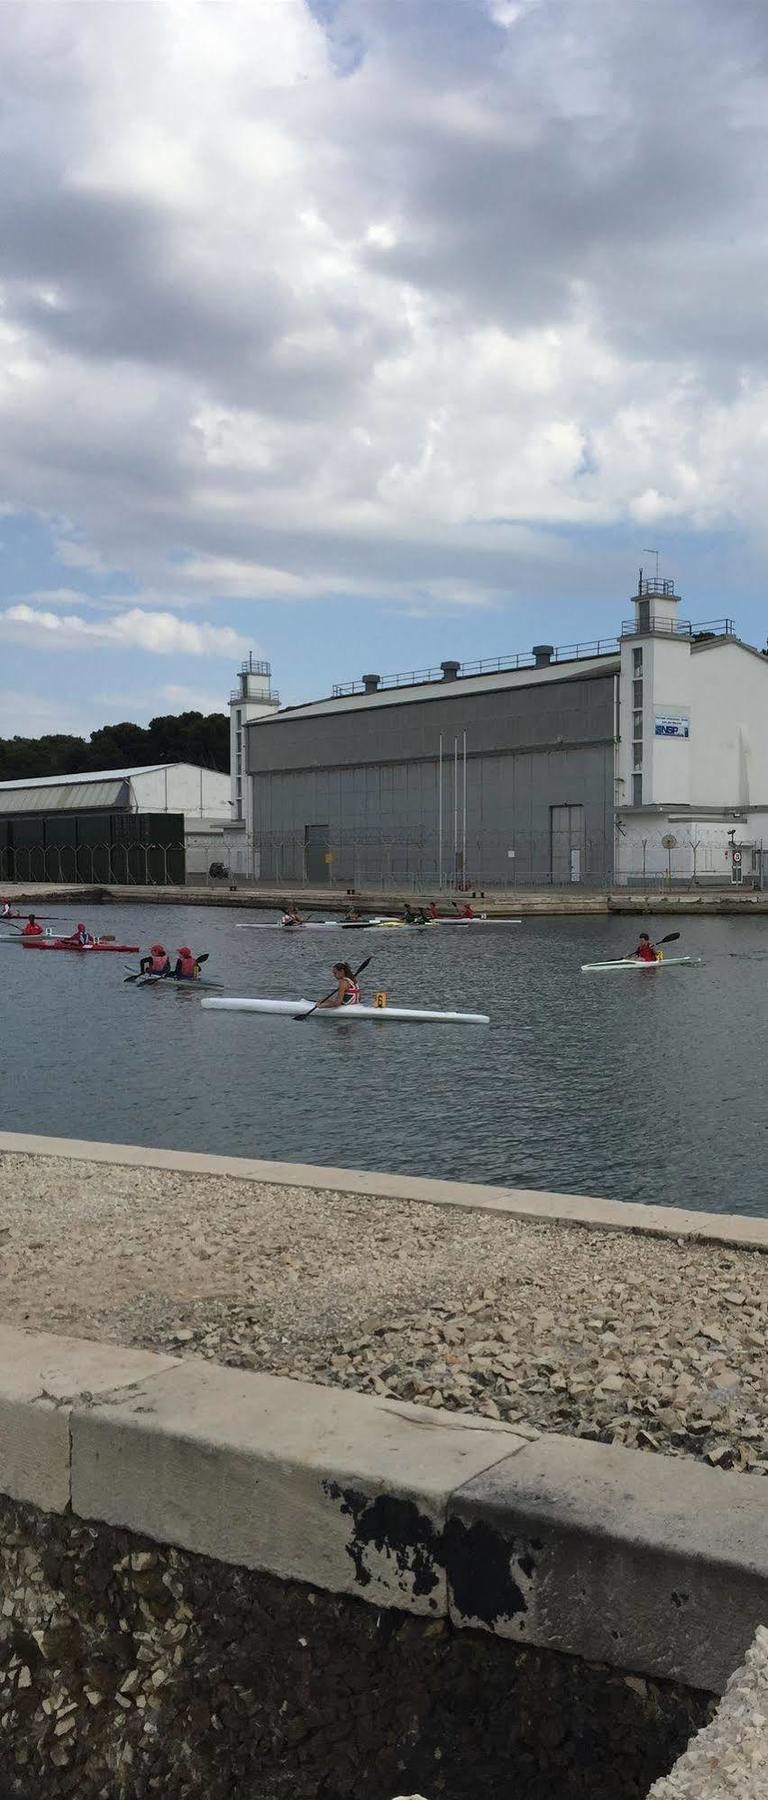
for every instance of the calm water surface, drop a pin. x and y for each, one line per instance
(639, 1086)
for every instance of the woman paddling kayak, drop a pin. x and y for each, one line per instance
(646, 951)
(348, 992)
(157, 963)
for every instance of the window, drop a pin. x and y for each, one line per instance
(637, 662)
(637, 753)
(637, 790)
(637, 724)
(637, 693)
(644, 615)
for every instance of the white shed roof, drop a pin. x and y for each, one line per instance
(49, 781)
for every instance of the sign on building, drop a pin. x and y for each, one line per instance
(674, 728)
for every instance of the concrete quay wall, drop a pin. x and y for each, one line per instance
(575, 1574)
(499, 903)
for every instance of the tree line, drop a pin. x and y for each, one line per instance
(177, 737)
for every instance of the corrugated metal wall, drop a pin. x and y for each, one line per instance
(356, 797)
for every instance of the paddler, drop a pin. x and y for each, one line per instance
(646, 951)
(82, 936)
(347, 992)
(291, 917)
(409, 914)
(187, 966)
(5, 910)
(432, 910)
(157, 963)
(32, 929)
(467, 911)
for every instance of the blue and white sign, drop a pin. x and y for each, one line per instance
(672, 728)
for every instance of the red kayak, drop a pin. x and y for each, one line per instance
(40, 943)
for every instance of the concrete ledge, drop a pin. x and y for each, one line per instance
(651, 1565)
(730, 1229)
(41, 1380)
(311, 1483)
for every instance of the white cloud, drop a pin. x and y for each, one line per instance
(290, 311)
(161, 634)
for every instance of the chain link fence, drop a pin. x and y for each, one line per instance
(411, 861)
(97, 865)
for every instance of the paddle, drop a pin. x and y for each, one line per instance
(308, 1015)
(141, 974)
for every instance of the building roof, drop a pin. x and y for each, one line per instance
(87, 775)
(579, 669)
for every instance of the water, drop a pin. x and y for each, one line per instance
(639, 1086)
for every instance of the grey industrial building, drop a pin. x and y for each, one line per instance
(463, 775)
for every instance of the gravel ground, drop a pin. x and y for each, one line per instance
(652, 1343)
(728, 1760)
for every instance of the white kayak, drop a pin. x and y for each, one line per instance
(297, 1008)
(343, 925)
(636, 962)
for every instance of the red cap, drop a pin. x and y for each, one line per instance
(157, 949)
(184, 951)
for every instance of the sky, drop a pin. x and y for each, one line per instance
(365, 333)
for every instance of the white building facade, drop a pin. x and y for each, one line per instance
(692, 748)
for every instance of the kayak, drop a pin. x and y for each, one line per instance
(24, 916)
(173, 981)
(41, 943)
(297, 1008)
(344, 925)
(636, 962)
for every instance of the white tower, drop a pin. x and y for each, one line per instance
(251, 699)
(655, 698)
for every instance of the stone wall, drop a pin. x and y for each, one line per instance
(129, 1669)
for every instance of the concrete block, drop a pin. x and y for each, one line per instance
(310, 1483)
(41, 1378)
(645, 1562)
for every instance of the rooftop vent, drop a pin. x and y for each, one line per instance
(370, 683)
(542, 655)
(450, 670)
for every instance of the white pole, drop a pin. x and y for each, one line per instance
(464, 820)
(455, 809)
(440, 814)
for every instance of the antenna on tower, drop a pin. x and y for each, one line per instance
(647, 552)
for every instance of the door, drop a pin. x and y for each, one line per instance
(567, 838)
(316, 853)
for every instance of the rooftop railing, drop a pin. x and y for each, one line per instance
(711, 628)
(494, 665)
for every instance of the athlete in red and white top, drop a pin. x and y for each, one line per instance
(646, 951)
(32, 928)
(348, 992)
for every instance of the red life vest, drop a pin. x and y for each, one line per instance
(32, 931)
(158, 964)
(646, 953)
(187, 967)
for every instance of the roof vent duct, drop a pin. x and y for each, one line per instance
(542, 655)
(450, 670)
(370, 683)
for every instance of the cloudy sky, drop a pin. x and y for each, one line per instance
(368, 332)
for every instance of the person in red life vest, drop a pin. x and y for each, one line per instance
(432, 910)
(646, 951)
(347, 993)
(467, 911)
(157, 963)
(32, 929)
(187, 966)
(82, 936)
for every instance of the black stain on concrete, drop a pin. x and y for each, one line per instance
(394, 1528)
(481, 1567)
